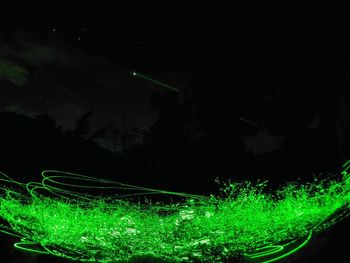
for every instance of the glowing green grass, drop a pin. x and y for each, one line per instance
(57, 217)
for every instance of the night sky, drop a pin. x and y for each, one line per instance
(69, 61)
(82, 62)
(178, 44)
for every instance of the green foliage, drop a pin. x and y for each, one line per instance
(60, 217)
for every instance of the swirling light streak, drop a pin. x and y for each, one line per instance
(63, 216)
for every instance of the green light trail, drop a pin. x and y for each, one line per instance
(136, 74)
(61, 216)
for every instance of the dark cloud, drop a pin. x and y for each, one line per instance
(13, 72)
(36, 54)
(66, 81)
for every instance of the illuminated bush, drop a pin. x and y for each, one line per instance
(57, 217)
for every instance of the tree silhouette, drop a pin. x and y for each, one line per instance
(82, 126)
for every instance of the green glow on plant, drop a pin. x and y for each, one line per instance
(136, 74)
(59, 216)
